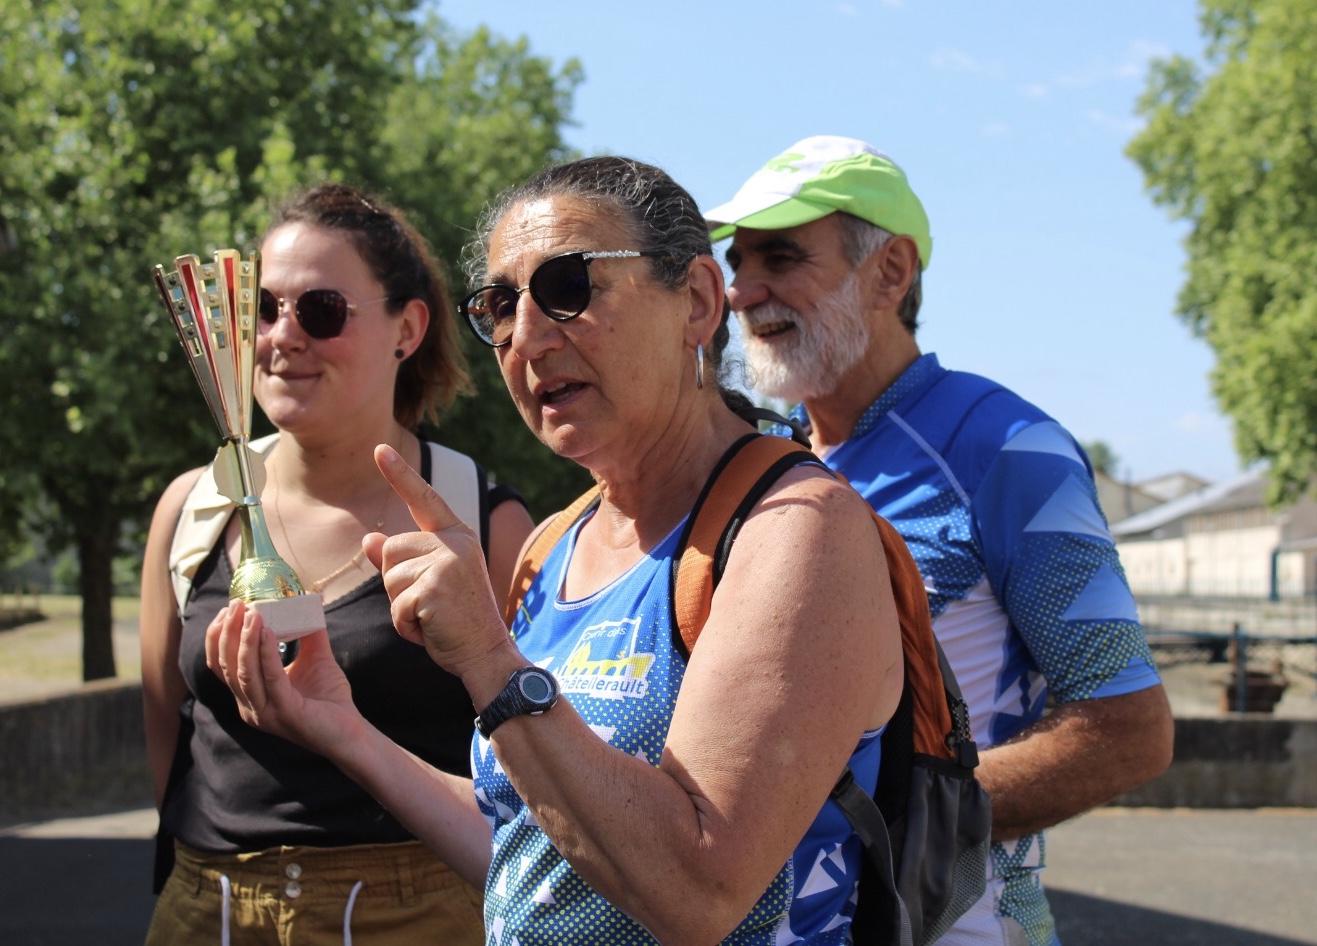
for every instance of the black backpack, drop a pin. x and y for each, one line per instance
(926, 832)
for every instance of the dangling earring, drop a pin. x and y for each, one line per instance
(397, 353)
(699, 365)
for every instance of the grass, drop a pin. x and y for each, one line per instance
(49, 651)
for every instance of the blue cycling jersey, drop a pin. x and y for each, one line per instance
(997, 504)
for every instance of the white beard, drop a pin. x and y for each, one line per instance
(825, 345)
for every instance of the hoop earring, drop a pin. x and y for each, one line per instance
(699, 365)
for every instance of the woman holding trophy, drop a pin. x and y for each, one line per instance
(355, 346)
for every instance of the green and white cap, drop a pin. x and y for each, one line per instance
(818, 176)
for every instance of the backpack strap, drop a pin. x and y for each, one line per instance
(737, 483)
(532, 559)
(739, 480)
(752, 465)
(462, 483)
(869, 825)
(922, 655)
(554, 529)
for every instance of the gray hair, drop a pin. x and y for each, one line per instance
(860, 239)
(657, 211)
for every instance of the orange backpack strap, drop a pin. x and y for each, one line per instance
(925, 829)
(745, 472)
(534, 556)
(726, 498)
(919, 648)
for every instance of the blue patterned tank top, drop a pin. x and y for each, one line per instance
(613, 655)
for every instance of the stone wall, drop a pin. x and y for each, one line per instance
(83, 752)
(1241, 760)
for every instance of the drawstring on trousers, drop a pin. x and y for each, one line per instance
(347, 914)
(226, 890)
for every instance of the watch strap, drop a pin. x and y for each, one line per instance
(512, 701)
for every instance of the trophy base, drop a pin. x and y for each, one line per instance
(291, 618)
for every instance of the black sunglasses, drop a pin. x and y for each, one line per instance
(322, 313)
(560, 287)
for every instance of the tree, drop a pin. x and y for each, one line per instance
(1102, 457)
(1230, 145)
(131, 132)
(478, 114)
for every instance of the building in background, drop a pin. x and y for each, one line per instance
(1220, 540)
(1122, 500)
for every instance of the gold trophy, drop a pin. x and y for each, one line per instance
(214, 307)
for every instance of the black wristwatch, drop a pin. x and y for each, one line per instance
(530, 692)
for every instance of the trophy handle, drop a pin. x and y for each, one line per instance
(229, 474)
(217, 339)
(190, 335)
(237, 288)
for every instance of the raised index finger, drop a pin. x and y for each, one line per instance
(426, 506)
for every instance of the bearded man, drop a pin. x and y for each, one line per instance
(994, 498)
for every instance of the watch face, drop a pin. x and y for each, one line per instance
(536, 688)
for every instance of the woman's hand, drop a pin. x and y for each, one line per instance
(310, 703)
(436, 578)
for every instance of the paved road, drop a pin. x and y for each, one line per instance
(77, 881)
(1185, 877)
(1118, 876)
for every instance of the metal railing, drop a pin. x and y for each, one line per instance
(1259, 666)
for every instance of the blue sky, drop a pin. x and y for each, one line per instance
(1052, 271)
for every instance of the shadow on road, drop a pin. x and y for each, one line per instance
(1082, 920)
(75, 891)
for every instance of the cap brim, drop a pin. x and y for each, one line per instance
(788, 212)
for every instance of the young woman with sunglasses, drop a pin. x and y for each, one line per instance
(271, 843)
(656, 798)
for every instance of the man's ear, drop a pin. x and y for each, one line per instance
(704, 284)
(891, 270)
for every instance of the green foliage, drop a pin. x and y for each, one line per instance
(15, 487)
(480, 114)
(1102, 457)
(1231, 146)
(65, 575)
(134, 131)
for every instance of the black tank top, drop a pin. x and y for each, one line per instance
(235, 789)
